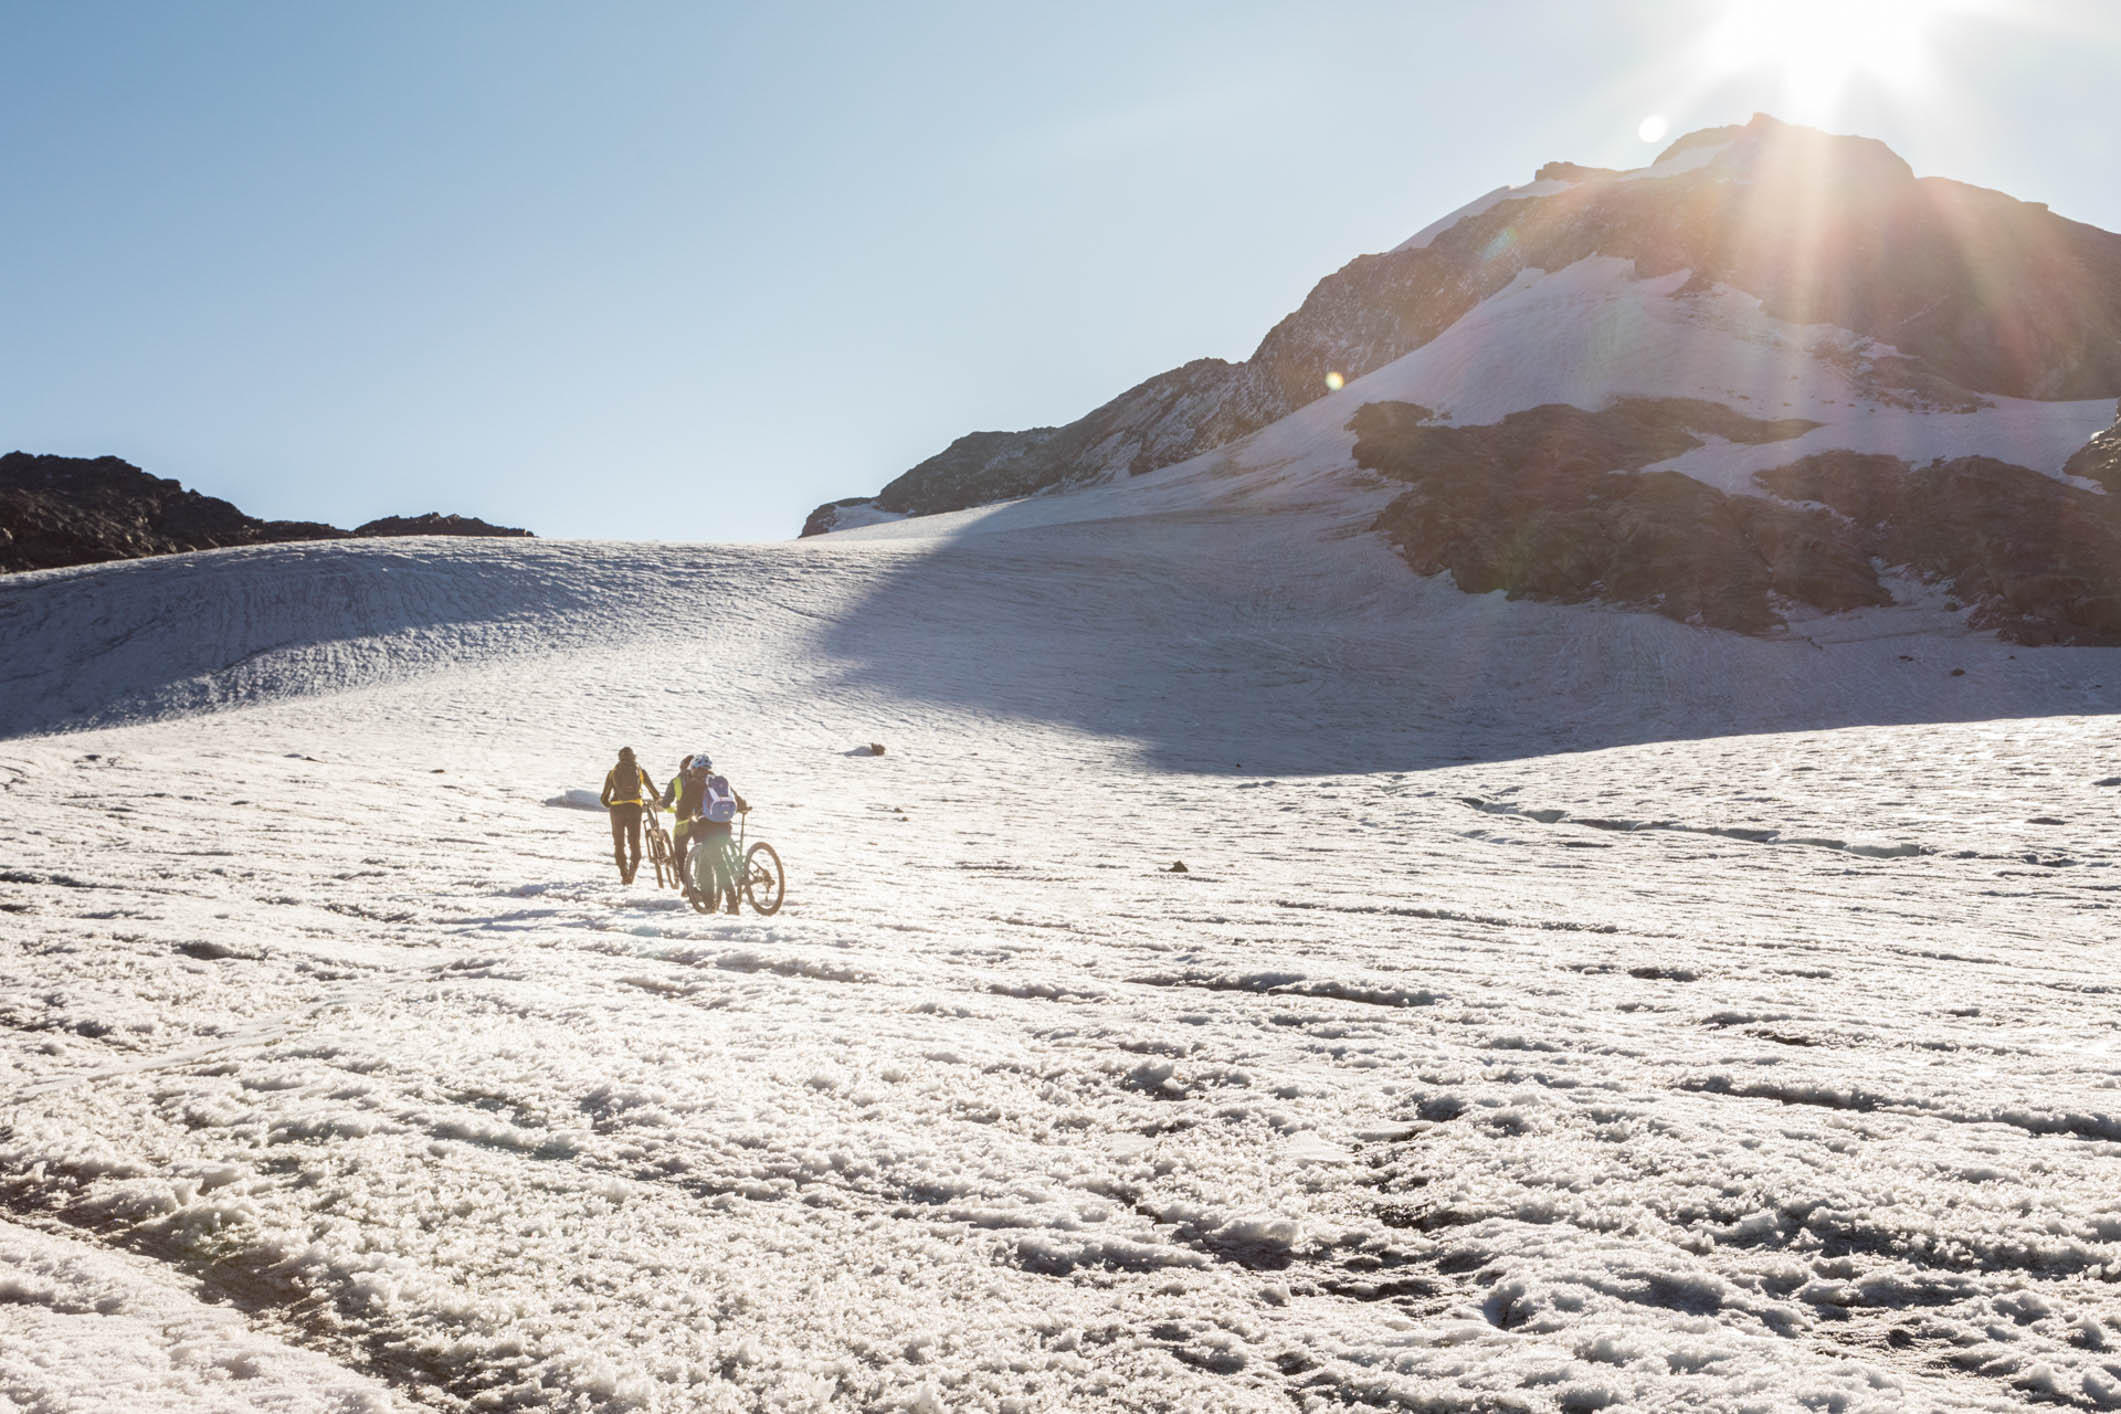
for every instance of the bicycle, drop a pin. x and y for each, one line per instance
(661, 852)
(755, 873)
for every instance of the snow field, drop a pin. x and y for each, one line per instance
(1720, 1072)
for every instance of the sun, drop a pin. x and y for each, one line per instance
(1821, 46)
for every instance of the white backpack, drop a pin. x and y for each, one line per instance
(720, 802)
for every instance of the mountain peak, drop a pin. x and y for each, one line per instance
(1795, 149)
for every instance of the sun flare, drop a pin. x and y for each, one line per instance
(1821, 46)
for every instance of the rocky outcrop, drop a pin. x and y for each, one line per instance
(2037, 560)
(1978, 291)
(2100, 459)
(435, 523)
(1549, 504)
(1151, 425)
(74, 510)
(57, 511)
(827, 517)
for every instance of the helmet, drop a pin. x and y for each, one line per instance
(698, 762)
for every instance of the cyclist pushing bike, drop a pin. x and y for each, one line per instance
(705, 805)
(626, 786)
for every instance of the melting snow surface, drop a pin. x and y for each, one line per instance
(1516, 1036)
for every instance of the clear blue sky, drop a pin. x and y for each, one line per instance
(683, 271)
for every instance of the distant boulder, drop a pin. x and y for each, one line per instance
(435, 523)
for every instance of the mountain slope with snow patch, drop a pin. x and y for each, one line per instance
(1775, 271)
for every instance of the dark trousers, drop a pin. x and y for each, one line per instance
(625, 832)
(712, 837)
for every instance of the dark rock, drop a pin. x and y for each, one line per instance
(1178, 866)
(826, 517)
(1543, 505)
(2100, 459)
(435, 523)
(2039, 560)
(57, 511)
(1549, 504)
(1152, 425)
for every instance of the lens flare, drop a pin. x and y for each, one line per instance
(1334, 382)
(1820, 47)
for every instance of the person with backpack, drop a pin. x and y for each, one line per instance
(626, 788)
(704, 805)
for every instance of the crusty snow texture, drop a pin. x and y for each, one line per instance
(1697, 1071)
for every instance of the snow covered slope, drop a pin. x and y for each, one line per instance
(1138, 613)
(338, 1073)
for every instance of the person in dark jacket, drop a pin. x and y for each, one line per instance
(696, 796)
(626, 788)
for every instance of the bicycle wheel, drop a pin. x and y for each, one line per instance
(764, 884)
(666, 874)
(699, 871)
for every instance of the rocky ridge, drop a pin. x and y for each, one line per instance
(57, 511)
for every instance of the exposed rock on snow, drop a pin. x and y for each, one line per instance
(1551, 504)
(1542, 505)
(2037, 559)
